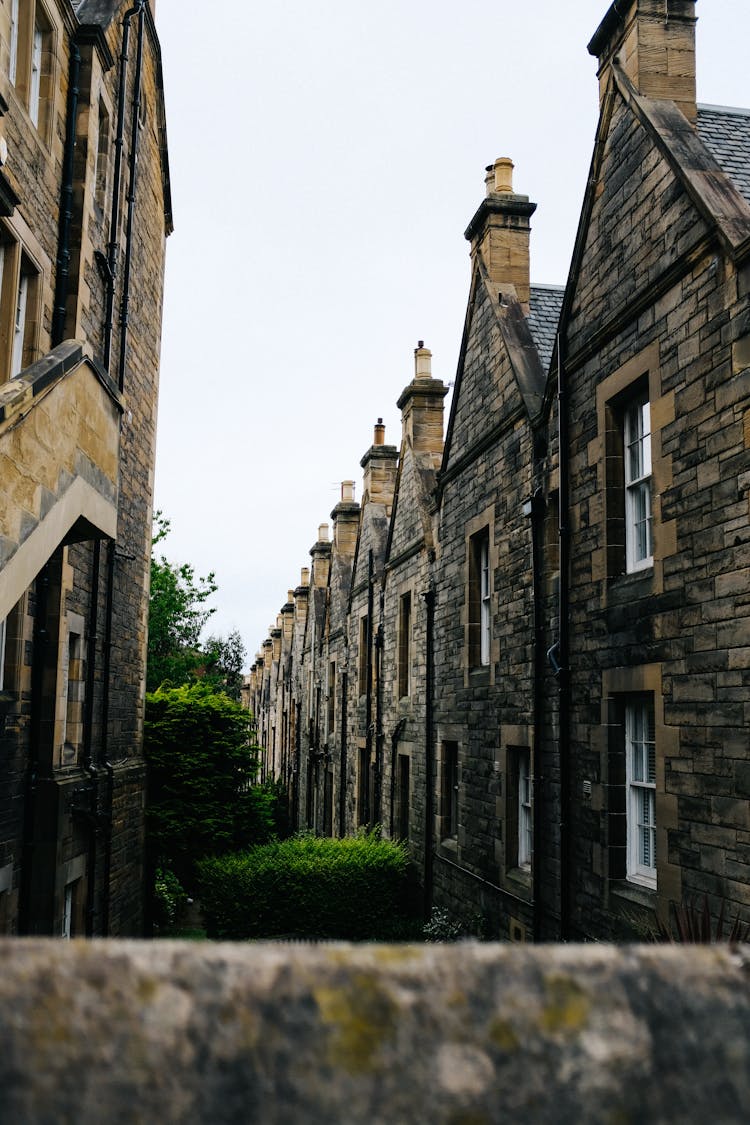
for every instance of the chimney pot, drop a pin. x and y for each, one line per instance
(422, 362)
(304, 576)
(379, 438)
(503, 175)
(347, 491)
(323, 533)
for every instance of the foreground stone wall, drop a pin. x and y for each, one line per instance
(128, 1032)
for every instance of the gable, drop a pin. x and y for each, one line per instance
(640, 222)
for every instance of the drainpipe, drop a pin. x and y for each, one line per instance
(88, 722)
(295, 772)
(368, 704)
(537, 517)
(377, 813)
(66, 200)
(563, 672)
(109, 265)
(39, 660)
(342, 780)
(106, 673)
(133, 171)
(429, 802)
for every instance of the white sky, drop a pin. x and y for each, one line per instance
(326, 159)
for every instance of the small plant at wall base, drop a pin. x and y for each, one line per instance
(693, 925)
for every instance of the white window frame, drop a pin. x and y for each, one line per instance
(640, 758)
(13, 62)
(19, 323)
(484, 601)
(3, 640)
(525, 811)
(35, 79)
(639, 548)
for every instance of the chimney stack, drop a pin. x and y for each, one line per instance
(500, 229)
(380, 464)
(345, 518)
(321, 558)
(421, 406)
(654, 43)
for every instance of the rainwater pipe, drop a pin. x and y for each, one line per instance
(368, 697)
(66, 199)
(563, 644)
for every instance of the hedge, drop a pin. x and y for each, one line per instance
(308, 887)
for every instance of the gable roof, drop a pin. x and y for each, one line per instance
(726, 134)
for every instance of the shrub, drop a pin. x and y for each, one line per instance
(351, 889)
(170, 899)
(202, 770)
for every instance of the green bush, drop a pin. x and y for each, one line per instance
(350, 889)
(202, 796)
(170, 899)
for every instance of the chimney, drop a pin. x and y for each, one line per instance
(276, 638)
(287, 619)
(267, 654)
(500, 229)
(421, 406)
(380, 464)
(345, 518)
(654, 43)
(321, 558)
(301, 599)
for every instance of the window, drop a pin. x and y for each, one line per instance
(519, 829)
(449, 810)
(328, 803)
(31, 55)
(331, 697)
(525, 843)
(404, 646)
(479, 599)
(19, 313)
(363, 779)
(364, 644)
(637, 457)
(13, 66)
(640, 760)
(73, 730)
(3, 634)
(71, 910)
(102, 156)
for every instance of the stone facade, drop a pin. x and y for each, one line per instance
(554, 712)
(80, 323)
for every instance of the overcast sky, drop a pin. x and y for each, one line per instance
(325, 160)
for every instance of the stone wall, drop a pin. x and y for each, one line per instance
(565, 1035)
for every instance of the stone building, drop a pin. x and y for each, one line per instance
(81, 257)
(547, 640)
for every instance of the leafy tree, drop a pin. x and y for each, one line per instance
(224, 661)
(177, 614)
(203, 799)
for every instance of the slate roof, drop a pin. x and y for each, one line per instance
(545, 305)
(726, 134)
(96, 11)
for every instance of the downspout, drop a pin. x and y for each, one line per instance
(368, 697)
(66, 200)
(429, 802)
(537, 516)
(109, 264)
(342, 780)
(377, 814)
(133, 170)
(106, 673)
(563, 672)
(295, 770)
(39, 660)
(88, 723)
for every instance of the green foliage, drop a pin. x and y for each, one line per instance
(203, 799)
(442, 926)
(170, 899)
(223, 662)
(176, 616)
(350, 889)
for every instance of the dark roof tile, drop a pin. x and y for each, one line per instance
(726, 134)
(545, 305)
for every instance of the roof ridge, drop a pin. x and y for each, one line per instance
(739, 111)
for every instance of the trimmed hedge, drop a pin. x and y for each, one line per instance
(309, 887)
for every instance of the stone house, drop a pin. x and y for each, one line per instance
(81, 276)
(655, 373)
(560, 730)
